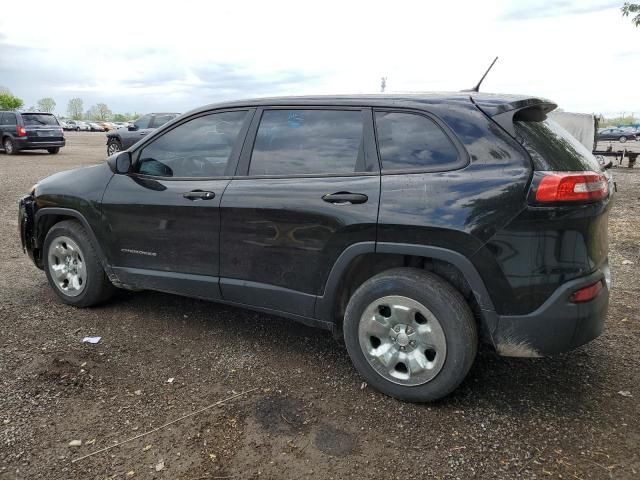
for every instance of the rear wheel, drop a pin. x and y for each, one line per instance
(73, 267)
(9, 146)
(113, 146)
(410, 334)
(622, 139)
(53, 150)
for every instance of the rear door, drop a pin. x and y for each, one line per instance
(308, 188)
(42, 128)
(163, 218)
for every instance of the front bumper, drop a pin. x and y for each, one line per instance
(26, 225)
(557, 325)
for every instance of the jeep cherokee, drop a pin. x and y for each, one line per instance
(412, 226)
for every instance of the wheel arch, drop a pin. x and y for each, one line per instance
(361, 261)
(46, 218)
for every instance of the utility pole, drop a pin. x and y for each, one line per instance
(383, 84)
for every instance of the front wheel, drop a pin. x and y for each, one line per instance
(622, 139)
(113, 146)
(72, 266)
(54, 150)
(410, 334)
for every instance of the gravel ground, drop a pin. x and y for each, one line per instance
(574, 416)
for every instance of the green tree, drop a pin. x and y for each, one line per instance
(9, 101)
(74, 108)
(629, 9)
(46, 104)
(99, 112)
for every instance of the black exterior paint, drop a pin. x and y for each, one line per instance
(273, 243)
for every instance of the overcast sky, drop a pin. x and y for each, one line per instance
(148, 56)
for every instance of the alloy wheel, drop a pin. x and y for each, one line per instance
(67, 266)
(112, 148)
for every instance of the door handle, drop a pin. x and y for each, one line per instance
(345, 198)
(199, 195)
(142, 133)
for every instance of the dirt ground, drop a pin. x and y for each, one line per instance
(574, 416)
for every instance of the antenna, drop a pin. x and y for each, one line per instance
(477, 87)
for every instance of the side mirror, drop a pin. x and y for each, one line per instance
(120, 163)
(132, 128)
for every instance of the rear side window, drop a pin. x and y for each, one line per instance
(9, 119)
(552, 148)
(39, 119)
(408, 141)
(299, 142)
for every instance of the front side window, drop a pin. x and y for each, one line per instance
(409, 141)
(308, 142)
(160, 120)
(142, 122)
(198, 148)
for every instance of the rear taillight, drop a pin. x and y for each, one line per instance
(571, 187)
(21, 131)
(586, 294)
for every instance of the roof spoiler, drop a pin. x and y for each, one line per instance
(531, 110)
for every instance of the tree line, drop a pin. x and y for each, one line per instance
(99, 112)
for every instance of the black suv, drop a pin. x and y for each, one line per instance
(411, 226)
(124, 137)
(30, 131)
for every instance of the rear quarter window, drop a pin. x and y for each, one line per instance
(552, 148)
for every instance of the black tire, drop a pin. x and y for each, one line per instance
(77, 129)
(97, 287)
(54, 150)
(449, 308)
(622, 139)
(9, 146)
(113, 146)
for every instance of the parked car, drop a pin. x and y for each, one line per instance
(615, 134)
(95, 127)
(30, 131)
(79, 125)
(66, 126)
(409, 225)
(123, 138)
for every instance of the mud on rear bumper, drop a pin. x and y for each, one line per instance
(556, 326)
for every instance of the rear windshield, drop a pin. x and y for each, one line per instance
(35, 119)
(553, 148)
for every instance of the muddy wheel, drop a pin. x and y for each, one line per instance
(410, 334)
(72, 266)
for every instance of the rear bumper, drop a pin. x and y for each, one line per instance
(557, 325)
(23, 143)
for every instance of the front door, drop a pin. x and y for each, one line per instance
(310, 189)
(163, 217)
